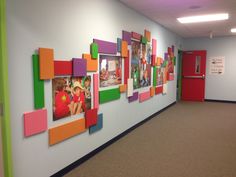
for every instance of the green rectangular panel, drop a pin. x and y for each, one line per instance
(38, 84)
(144, 40)
(109, 95)
(94, 50)
(174, 61)
(154, 76)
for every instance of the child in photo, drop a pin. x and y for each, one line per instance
(62, 106)
(87, 85)
(78, 101)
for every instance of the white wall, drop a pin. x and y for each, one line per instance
(69, 27)
(218, 87)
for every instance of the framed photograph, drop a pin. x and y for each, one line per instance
(140, 68)
(110, 70)
(71, 96)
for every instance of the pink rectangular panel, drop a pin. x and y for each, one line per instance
(171, 76)
(35, 122)
(95, 90)
(154, 46)
(144, 96)
(136, 36)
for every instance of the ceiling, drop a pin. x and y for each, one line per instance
(165, 13)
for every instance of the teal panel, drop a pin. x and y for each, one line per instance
(98, 126)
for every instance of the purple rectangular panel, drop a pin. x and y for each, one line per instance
(126, 36)
(134, 97)
(106, 47)
(166, 56)
(79, 67)
(173, 48)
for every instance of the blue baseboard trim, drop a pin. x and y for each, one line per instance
(220, 101)
(94, 152)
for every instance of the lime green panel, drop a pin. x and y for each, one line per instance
(4, 94)
(109, 95)
(38, 84)
(154, 76)
(144, 40)
(94, 50)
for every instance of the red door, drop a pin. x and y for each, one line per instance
(193, 75)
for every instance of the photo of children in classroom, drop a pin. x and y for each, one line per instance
(140, 68)
(71, 96)
(110, 70)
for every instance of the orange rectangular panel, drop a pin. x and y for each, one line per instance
(147, 34)
(152, 91)
(124, 49)
(46, 63)
(123, 88)
(92, 65)
(65, 131)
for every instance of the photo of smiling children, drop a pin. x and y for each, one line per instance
(71, 95)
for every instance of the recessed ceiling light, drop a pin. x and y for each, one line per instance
(203, 18)
(233, 30)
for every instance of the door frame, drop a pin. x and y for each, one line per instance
(4, 95)
(179, 76)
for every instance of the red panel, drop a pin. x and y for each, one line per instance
(126, 70)
(193, 83)
(62, 68)
(159, 90)
(153, 60)
(91, 117)
(136, 36)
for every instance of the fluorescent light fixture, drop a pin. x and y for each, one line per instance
(203, 18)
(233, 30)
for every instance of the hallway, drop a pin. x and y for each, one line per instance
(187, 140)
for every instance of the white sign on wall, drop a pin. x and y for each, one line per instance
(217, 65)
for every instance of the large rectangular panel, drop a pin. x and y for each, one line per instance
(134, 97)
(65, 131)
(144, 96)
(119, 41)
(46, 63)
(106, 47)
(126, 36)
(154, 47)
(62, 68)
(35, 122)
(95, 91)
(98, 126)
(126, 68)
(109, 95)
(38, 84)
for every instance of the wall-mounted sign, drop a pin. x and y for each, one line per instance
(217, 65)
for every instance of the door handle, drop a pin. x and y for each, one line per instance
(194, 77)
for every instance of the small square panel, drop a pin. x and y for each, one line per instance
(79, 67)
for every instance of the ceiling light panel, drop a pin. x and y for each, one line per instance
(203, 18)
